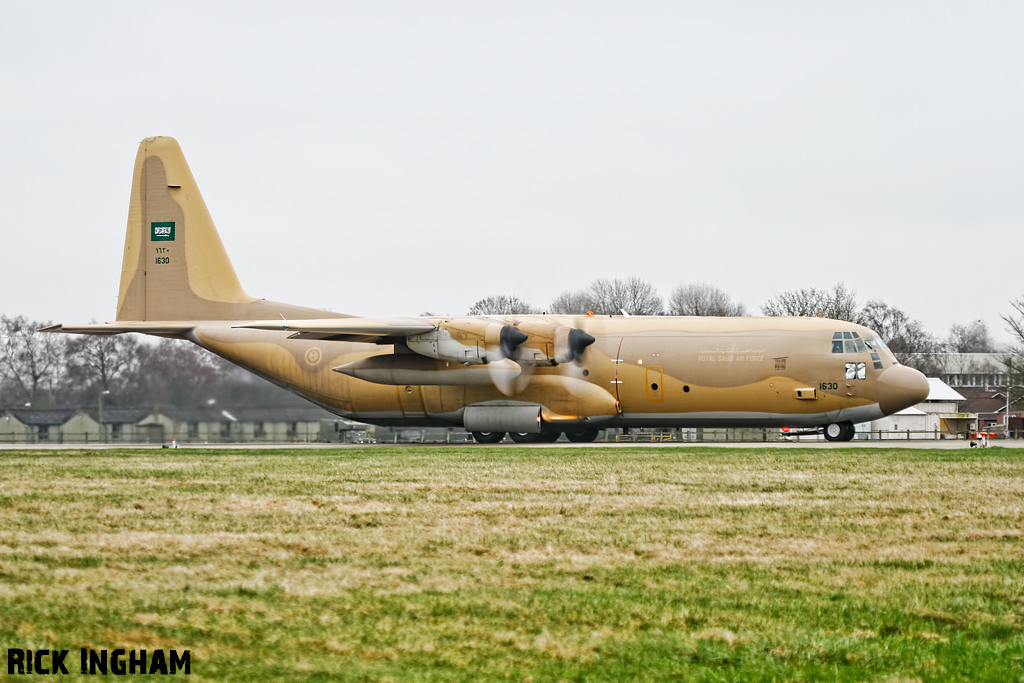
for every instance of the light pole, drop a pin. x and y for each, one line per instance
(103, 427)
(1009, 385)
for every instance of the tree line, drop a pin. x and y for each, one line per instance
(905, 335)
(55, 370)
(42, 370)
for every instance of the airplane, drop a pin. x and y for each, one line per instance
(533, 377)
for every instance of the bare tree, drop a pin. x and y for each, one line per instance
(631, 295)
(636, 296)
(502, 304)
(702, 298)
(99, 363)
(838, 303)
(176, 373)
(904, 336)
(1014, 358)
(30, 361)
(573, 303)
(972, 337)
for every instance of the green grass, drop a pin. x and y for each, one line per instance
(505, 563)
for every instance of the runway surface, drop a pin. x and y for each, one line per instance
(945, 444)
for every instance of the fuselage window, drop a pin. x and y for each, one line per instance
(837, 346)
(856, 371)
(847, 335)
(860, 345)
(851, 347)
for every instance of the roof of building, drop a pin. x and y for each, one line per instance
(994, 403)
(241, 414)
(295, 414)
(42, 417)
(910, 411)
(204, 414)
(119, 415)
(940, 391)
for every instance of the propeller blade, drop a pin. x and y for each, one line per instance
(505, 374)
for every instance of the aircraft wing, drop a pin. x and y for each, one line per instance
(372, 330)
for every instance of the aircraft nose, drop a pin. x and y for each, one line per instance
(900, 387)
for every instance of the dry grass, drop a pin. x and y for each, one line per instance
(466, 562)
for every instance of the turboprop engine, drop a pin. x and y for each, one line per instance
(548, 344)
(476, 351)
(470, 342)
(477, 342)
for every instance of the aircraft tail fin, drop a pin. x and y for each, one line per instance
(175, 266)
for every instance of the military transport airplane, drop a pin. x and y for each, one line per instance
(532, 376)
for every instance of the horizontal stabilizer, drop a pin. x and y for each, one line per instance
(159, 329)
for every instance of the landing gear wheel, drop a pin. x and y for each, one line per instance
(526, 437)
(839, 431)
(585, 436)
(549, 437)
(488, 437)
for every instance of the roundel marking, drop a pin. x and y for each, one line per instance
(313, 355)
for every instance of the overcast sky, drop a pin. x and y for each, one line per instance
(391, 158)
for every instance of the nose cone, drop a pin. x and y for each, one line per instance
(900, 387)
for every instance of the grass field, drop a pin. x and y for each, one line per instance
(506, 563)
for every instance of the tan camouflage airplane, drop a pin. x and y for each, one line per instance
(531, 376)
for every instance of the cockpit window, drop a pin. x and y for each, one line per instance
(850, 342)
(874, 343)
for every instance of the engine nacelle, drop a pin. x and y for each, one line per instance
(470, 342)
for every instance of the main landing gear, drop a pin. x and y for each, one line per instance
(839, 431)
(583, 436)
(488, 437)
(535, 437)
(518, 437)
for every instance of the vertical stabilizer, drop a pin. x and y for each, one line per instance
(175, 266)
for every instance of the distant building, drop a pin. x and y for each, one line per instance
(984, 370)
(991, 408)
(35, 426)
(938, 416)
(199, 425)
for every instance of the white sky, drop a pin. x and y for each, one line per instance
(390, 158)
